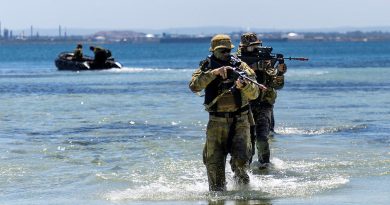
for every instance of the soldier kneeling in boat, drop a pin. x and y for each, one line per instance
(101, 55)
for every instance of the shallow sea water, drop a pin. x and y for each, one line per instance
(135, 136)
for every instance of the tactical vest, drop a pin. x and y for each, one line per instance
(228, 102)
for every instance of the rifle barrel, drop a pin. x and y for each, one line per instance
(254, 81)
(296, 58)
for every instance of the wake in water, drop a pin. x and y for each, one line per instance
(319, 131)
(306, 73)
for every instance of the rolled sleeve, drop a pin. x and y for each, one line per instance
(200, 80)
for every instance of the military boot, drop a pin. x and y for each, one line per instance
(216, 177)
(241, 177)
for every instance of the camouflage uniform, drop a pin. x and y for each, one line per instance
(262, 107)
(228, 126)
(78, 53)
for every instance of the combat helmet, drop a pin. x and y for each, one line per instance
(221, 41)
(249, 39)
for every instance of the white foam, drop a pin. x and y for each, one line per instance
(285, 179)
(162, 189)
(289, 179)
(318, 131)
(306, 73)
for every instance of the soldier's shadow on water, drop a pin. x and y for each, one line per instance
(240, 202)
(242, 195)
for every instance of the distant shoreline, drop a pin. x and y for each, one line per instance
(105, 37)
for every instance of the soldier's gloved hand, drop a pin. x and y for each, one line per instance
(240, 83)
(280, 58)
(278, 79)
(282, 68)
(222, 71)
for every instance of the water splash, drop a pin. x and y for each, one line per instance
(284, 179)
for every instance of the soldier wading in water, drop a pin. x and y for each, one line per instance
(227, 101)
(262, 107)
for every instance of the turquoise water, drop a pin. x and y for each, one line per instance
(135, 136)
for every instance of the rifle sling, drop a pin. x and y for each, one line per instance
(208, 106)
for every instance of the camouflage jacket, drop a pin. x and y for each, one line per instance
(202, 79)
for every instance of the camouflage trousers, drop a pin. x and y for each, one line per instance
(219, 144)
(263, 119)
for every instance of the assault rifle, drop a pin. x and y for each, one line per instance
(265, 53)
(236, 73)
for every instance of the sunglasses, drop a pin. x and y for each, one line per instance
(225, 50)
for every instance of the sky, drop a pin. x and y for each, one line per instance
(162, 14)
